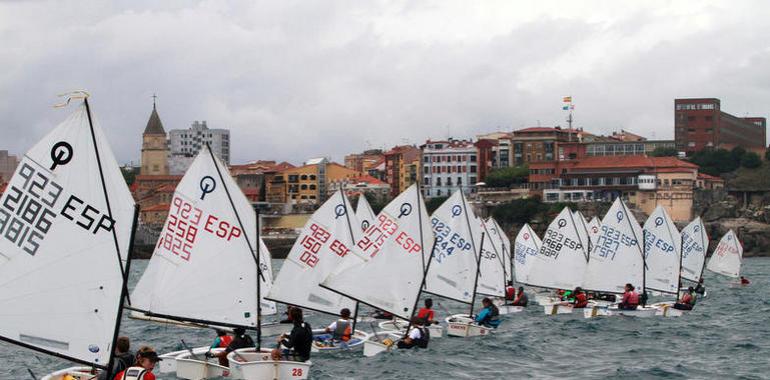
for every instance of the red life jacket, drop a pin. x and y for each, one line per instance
(510, 292)
(225, 340)
(631, 298)
(425, 314)
(581, 300)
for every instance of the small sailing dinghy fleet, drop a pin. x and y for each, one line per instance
(67, 208)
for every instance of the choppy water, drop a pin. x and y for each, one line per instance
(727, 336)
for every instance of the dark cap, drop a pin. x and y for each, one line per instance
(152, 355)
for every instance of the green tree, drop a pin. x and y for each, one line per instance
(433, 203)
(506, 177)
(664, 152)
(751, 160)
(716, 162)
(767, 155)
(519, 211)
(129, 175)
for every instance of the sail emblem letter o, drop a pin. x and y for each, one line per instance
(406, 209)
(562, 223)
(339, 211)
(619, 215)
(61, 154)
(456, 210)
(658, 221)
(207, 185)
(365, 225)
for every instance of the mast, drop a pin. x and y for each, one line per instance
(679, 278)
(123, 293)
(478, 270)
(644, 261)
(259, 287)
(353, 239)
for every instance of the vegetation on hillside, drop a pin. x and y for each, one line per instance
(719, 161)
(507, 177)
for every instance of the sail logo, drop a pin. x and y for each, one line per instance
(619, 216)
(207, 185)
(339, 211)
(456, 210)
(658, 221)
(406, 209)
(61, 154)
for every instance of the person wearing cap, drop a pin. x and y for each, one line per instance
(240, 340)
(146, 358)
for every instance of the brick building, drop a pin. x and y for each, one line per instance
(700, 123)
(402, 167)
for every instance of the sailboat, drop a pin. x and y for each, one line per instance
(617, 259)
(67, 221)
(695, 242)
(493, 276)
(206, 269)
(594, 227)
(525, 248)
(662, 247)
(364, 213)
(388, 272)
(727, 256)
(560, 262)
(327, 240)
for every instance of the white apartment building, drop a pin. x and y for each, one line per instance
(447, 166)
(184, 145)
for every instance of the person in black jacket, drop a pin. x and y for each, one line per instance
(124, 358)
(297, 342)
(240, 340)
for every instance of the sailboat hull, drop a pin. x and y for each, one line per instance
(666, 309)
(382, 341)
(78, 373)
(248, 364)
(198, 367)
(612, 311)
(436, 331)
(557, 308)
(356, 342)
(461, 325)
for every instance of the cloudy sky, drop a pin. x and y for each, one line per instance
(297, 79)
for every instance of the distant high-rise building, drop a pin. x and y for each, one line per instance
(186, 143)
(449, 165)
(154, 146)
(700, 124)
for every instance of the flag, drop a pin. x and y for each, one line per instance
(565, 107)
(567, 99)
(572, 106)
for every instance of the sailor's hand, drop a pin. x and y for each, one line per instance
(208, 355)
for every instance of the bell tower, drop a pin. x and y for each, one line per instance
(154, 146)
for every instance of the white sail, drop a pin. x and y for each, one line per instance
(617, 257)
(695, 243)
(526, 247)
(65, 224)
(661, 248)
(594, 229)
(364, 213)
(204, 267)
(582, 229)
(452, 273)
(491, 274)
(561, 260)
(391, 256)
(727, 256)
(266, 280)
(503, 245)
(324, 244)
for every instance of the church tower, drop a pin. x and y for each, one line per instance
(154, 146)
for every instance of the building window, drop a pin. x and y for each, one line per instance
(709, 118)
(311, 187)
(303, 187)
(438, 181)
(690, 118)
(473, 158)
(312, 177)
(303, 177)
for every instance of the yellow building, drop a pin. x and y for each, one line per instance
(307, 184)
(154, 147)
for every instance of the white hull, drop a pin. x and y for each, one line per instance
(79, 373)
(546, 299)
(357, 342)
(611, 311)
(197, 367)
(248, 364)
(460, 325)
(436, 331)
(557, 308)
(376, 343)
(666, 309)
(510, 309)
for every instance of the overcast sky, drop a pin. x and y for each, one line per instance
(298, 79)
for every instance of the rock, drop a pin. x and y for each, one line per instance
(719, 210)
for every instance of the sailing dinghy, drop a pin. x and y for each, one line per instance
(727, 257)
(662, 247)
(695, 243)
(67, 221)
(617, 259)
(326, 242)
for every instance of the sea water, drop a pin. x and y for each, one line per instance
(726, 336)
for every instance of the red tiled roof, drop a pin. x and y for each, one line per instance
(709, 177)
(368, 179)
(145, 177)
(158, 207)
(611, 162)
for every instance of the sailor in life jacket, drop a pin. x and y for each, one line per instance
(630, 299)
(146, 358)
(426, 313)
(489, 316)
(418, 336)
(342, 329)
(581, 299)
(222, 340)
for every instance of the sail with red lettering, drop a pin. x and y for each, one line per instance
(364, 213)
(204, 267)
(326, 241)
(561, 260)
(661, 250)
(526, 247)
(391, 257)
(695, 242)
(66, 218)
(617, 257)
(594, 227)
(453, 271)
(727, 257)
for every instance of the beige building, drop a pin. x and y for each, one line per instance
(8, 164)
(154, 147)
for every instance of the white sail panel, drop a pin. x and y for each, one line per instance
(582, 229)
(324, 244)
(727, 256)
(617, 256)
(60, 276)
(453, 270)
(661, 249)
(392, 255)
(491, 274)
(561, 260)
(204, 267)
(364, 213)
(594, 227)
(503, 246)
(695, 242)
(526, 247)
(266, 281)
